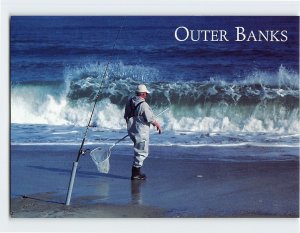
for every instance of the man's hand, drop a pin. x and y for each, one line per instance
(155, 123)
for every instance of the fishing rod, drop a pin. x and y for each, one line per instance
(81, 151)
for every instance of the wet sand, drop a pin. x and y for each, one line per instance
(43, 206)
(176, 187)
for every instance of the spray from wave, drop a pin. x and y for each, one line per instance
(261, 102)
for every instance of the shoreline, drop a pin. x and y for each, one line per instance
(43, 206)
(176, 186)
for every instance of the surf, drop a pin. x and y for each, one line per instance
(261, 102)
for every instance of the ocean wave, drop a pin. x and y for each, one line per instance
(281, 87)
(261, 102)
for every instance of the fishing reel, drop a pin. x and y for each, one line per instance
(83, 152)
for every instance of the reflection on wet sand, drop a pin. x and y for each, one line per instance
(136, 197)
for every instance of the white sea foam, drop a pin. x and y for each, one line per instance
(263, 102)
(108, 115)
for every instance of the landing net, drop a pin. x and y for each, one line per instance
(100, 157)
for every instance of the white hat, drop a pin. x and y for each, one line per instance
(142, 88)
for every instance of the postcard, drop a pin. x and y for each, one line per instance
(154, 116)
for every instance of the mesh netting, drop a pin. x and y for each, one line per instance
(100, 157)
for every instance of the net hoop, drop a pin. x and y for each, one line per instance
(100, 157)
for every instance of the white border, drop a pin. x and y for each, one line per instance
(127, 7)
(150, 7)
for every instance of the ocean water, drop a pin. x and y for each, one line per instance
(218, 93)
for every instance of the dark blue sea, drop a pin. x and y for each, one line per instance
(218, 93)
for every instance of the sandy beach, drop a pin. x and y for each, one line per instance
(177, 186)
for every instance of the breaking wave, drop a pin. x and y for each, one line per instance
(260, 102)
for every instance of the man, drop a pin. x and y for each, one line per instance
(139, 117)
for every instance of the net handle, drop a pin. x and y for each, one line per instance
(119, 141)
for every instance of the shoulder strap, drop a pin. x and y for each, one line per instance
(137, 106)
(133, 109)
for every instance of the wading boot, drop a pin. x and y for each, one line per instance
(136, 174)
